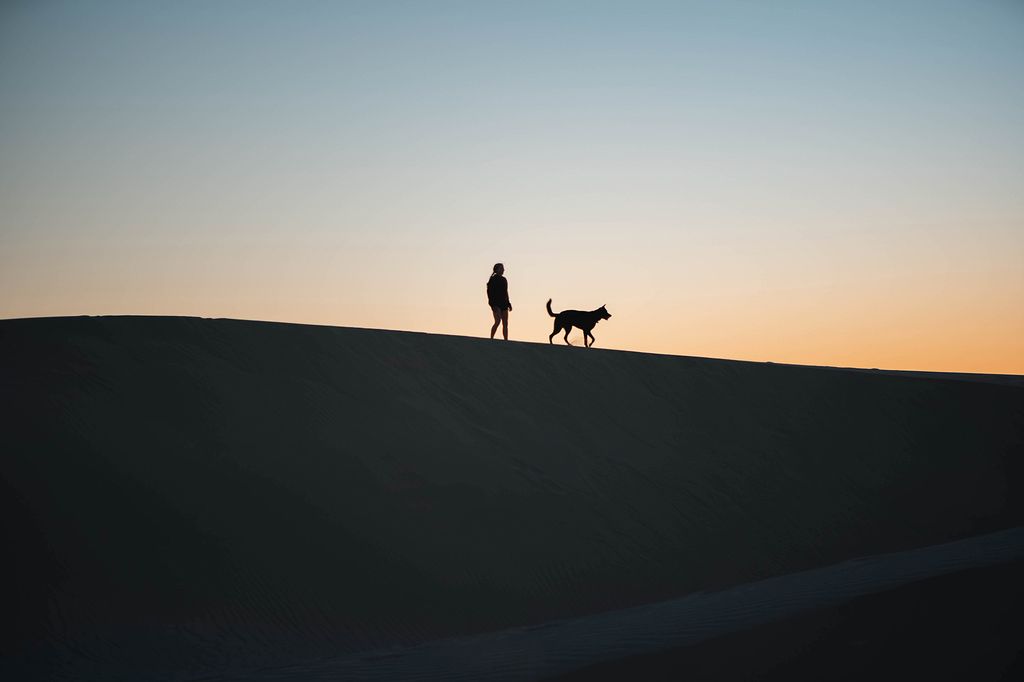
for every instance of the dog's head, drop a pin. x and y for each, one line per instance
(604, 313)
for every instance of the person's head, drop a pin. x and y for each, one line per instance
(499, 269)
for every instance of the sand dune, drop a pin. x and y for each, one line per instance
(579, 646)
(957, 626)
(189, 498)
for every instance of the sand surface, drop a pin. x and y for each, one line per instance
(193, 499)
(967, 625)
(625, 638)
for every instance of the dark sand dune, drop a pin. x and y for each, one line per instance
(960, 626)
(190, 499)
(667, 639)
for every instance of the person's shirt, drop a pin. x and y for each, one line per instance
(497, 291)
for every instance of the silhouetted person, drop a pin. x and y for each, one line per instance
(497, 298)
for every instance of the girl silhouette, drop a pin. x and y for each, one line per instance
(497, 298)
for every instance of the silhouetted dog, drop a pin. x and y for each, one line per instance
(585, 320)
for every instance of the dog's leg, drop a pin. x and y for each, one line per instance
(558, 328)
(567, 330)
(592, 339)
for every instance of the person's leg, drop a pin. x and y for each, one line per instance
(504, 324)
(497, 320)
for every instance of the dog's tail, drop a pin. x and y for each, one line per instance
(549, 309)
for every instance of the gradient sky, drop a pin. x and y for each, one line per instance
(816, 182)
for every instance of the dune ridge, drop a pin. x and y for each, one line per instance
(192, 497)
(555, 648)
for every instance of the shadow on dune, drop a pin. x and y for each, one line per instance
(195, 497)
(963, 626)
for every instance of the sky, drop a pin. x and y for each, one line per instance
(836, 183)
